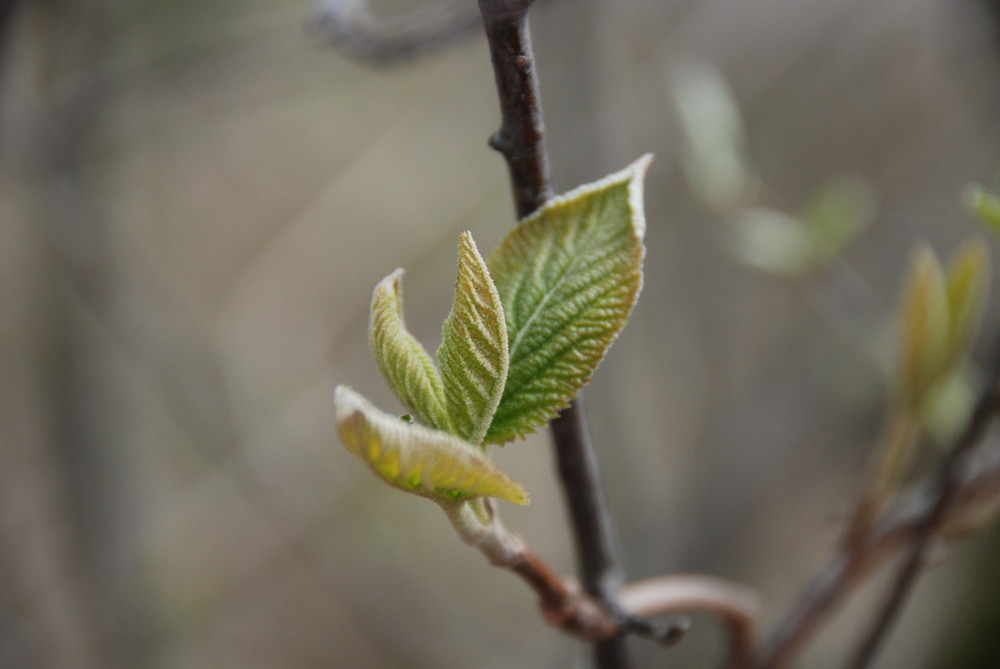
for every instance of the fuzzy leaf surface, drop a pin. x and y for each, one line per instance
(568, 277)
(473, 352)
(418, 459)
(406, 366)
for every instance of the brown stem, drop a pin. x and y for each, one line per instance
(521, 137)
(521, 140)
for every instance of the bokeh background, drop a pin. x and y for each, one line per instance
(196, 198)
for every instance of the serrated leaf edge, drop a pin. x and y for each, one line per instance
(405, 365)
(473, 356)
(632, 175)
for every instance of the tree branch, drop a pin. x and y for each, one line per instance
(521, 140)
(350, 26)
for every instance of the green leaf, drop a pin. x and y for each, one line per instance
(568, 277)
(418, 459)
(713, 139)
(473, 352)
(406, 366)
(983, 204)
(837, 215)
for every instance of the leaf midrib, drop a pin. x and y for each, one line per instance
(588, 244)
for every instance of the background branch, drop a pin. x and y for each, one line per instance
(963, 497)
(946, 489)
(349, 25)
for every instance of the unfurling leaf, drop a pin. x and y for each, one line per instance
(568, 277)
(418, 459)
(406, 366)
(941, 316)
(473, 352)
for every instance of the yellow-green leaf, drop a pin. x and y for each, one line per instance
(418, 459)
(926, 328)
(406, 366)
(568, 277)
(967, 280)
(473, 352)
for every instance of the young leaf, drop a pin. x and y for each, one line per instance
(404, 363)
(967, 280)
(417, 459)
(473, 352)
(925, 329)
(568, 277)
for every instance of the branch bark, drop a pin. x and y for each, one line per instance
(521, 140)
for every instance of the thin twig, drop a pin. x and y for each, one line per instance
(592, 524)
(350, 26)
(521, 140)
(947, 488)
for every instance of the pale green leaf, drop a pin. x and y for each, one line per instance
(983, 204)
(419, 459)
(713, 142)
(771, 241)
(835, 217)
(406, 366)
(568, 277)
(473, 352)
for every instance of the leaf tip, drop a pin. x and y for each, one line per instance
(637, 174)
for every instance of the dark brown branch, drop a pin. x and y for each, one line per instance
(521, 140)
(521, 137)
(350, 26)
(589, 512)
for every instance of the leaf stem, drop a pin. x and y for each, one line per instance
(521, 140)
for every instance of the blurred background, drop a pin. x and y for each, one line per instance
(196, 198)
